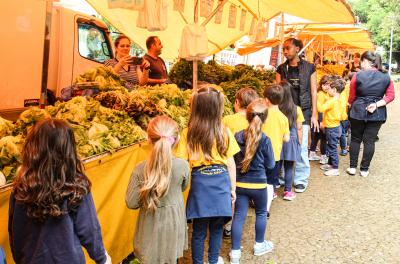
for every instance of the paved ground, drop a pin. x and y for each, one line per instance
(345, 219)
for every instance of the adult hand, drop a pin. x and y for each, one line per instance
(233, 196)
(372, 107)
(145, 64)
(314, 123)
(125, 60)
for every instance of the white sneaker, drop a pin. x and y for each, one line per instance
(313, 156)
(351, 171)
(332, 172)
(323, 160)
(364, 173)
(325, 167)
(263, 248)
(235, 256)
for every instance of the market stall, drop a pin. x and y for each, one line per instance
(110, 172)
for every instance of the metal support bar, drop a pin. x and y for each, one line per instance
(308, 44)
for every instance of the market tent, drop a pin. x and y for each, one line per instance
(326, 36)
(345, 36)
(220, 35)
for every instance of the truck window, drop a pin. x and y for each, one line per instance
(93, 44)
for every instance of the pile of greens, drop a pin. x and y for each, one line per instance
(104, 77)
(231, 79)
(97, 129)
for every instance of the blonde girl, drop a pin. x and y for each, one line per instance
(209, 147)
(155, 188)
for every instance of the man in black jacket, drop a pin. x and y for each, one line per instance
(303, 78)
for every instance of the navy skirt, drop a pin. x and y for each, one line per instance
(209, 194)
(292, 149)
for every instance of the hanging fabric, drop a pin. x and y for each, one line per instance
(252, 31)
(179, 5)
(218, 15)
(206, 7)
(232, 16)
(194, 42)
(153, 15)
(242, 20)
(261, 33)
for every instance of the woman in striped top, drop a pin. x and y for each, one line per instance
(132, 74)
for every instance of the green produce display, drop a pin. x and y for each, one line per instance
(6, 127)
(104, 77)
(97, 129)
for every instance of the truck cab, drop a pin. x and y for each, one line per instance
(45, 45)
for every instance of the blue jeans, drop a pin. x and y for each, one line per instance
(273, 175)
(344, 125)
(259, 196)
(215, 225)
(332, 139)
(302, 169)
(288, 167)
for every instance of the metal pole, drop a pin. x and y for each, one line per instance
(390, 54)
(46, 51)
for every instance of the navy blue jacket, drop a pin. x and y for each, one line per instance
(263, 159)
(371, 86)
(56, 240)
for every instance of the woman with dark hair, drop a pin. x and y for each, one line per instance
(370, 91)
(123, 65)
(52, 214)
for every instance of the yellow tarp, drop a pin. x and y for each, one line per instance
(346, 36)
(333, 36)
(219, 35)
(109, 176)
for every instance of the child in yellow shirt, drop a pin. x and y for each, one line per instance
(276, 127)
(237, 122)
(333, 113)
(316, 136)
(209, 147)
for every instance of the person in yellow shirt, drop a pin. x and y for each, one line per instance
(237, 122)
(276, 127)
(319, 136)
(345, 124)
(291, 151)
(333, 113)
(209, 147)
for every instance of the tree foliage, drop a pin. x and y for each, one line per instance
(379, 16)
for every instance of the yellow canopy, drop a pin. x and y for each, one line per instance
(341, 36)
(219, 35)
(329, 35)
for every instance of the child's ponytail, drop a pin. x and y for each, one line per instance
(256, 114)
(162, 133)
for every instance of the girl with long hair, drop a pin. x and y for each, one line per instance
(370, 91)
(52, 214)
(209, 147)
(155, 188)
(290, 150)
(255, 157)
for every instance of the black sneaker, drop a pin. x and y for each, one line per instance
(299, 188)
(227, 233)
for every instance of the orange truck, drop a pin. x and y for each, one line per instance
(44, 47)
